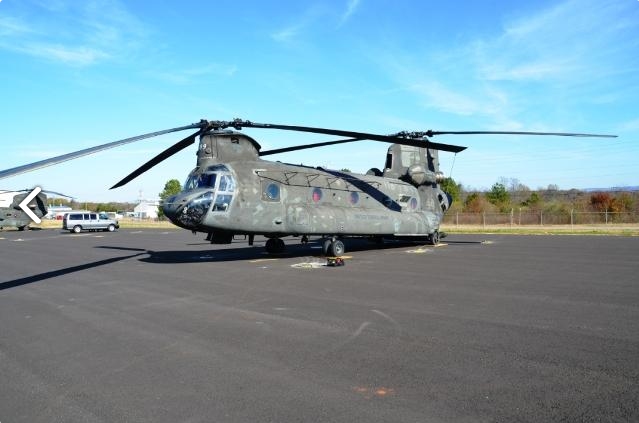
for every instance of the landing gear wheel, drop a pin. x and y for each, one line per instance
(337, 248)
(434, 238)
(270, 246)
(275, 246)
(333, 247)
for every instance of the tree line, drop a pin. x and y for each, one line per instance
(92, 205)
(509, 194)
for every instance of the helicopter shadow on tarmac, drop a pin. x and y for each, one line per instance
(293, 250)
(242, 253)
(215, 254)
(65, 271)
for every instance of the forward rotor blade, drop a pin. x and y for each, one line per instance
(59, 194)
(175, 148)
(70, 156)
(356, 136)
(431, 133)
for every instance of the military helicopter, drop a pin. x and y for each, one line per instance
(233, 191)
(11, 214)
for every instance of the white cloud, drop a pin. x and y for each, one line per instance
(11, 27)
(308, 20)
(532, 71)
(351, 7)
(436, 95)
(77, 34)
(546, 66)
(192, 75)
(572, 42)
(289, 33)
(293, 32)
(78, 56)
(632, 125)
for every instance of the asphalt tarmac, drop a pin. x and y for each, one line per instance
(161, 326)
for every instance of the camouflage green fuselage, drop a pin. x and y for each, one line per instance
(234, 191)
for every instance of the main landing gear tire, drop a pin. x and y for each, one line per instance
(275, 246)
(434, 238)
(333, 248)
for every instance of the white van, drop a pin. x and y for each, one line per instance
(88, 221)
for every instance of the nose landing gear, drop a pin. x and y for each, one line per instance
(275, 246)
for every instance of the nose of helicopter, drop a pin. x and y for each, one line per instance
(187, 210)
(170, 206)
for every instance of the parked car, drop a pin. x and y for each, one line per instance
(88, 221)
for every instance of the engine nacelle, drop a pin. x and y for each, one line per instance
(420, 175)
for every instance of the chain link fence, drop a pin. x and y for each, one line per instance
(528, 218)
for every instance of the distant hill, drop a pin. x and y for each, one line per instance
(613, 189)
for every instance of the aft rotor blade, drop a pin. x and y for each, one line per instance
(431, 133)
(70, 156)
(393, 139)
(405, 141)
(305, 146)
(175, 148)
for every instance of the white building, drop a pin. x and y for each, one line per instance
(147, 210)
(6, 198)
(57, 212)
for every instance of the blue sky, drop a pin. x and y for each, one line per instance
(79, 73)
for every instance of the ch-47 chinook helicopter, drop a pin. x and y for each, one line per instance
(12, 215)
(233, 191)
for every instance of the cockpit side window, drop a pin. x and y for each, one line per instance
(225, 191)
(204, 180)
(191, 183)
(226, 183)
(222, 202)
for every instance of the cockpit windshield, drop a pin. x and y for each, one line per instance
(220, 184)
